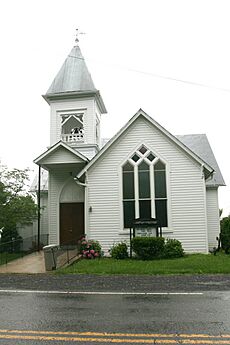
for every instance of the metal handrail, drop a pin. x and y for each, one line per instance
(20, 246)
(7, 249)
(66, 252)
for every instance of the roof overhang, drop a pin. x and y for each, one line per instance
(51, 97)
(50, 158)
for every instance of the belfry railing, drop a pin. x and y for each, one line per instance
(72, 138)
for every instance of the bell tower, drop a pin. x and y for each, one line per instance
(76, 106)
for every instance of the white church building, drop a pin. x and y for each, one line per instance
(142, 172)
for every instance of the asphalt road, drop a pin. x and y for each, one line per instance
(51, 309)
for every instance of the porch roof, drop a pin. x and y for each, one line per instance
(60, 154)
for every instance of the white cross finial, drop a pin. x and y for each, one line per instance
(77, 34)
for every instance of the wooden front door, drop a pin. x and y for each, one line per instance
(71, 222)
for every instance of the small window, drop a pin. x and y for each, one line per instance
(144, 180)
(160, 184)
(160, 193)
(151, 157)
(128, 167)
(143, 166)
(135, 158)
(145, 209)
(128, 181)
(142, 149)
(159, 166)
(161, 212)
(129, 213)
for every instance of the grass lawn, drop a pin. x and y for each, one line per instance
(10, 257)
(190, 264)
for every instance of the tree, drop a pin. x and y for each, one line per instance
(16, 204)
(225, 233)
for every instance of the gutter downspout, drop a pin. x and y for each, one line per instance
(86, 216)
(39, 206)
(80, 183)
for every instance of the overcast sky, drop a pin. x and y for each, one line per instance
(170, 58)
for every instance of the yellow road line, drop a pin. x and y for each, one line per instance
(78, 339)
(190, 341)
(104, 337)
(205, 342)
(146, 335)
(112, 340)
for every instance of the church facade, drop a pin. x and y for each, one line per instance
(142, 172)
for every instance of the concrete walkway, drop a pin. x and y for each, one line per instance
(32, 263)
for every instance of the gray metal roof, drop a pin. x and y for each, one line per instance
(199, 144)
(73, 75)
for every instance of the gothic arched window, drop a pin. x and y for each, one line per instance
(144, 188)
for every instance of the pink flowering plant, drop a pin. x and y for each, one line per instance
(90, 249)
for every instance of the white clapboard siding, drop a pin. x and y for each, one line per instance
(61, 155)
(187, 209)
(212, 216)
(85, 105)
(88, 152)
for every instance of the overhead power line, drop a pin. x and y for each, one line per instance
(155, 75)
(180, 80)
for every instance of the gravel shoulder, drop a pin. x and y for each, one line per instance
(123, 283)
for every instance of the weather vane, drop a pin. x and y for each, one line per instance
(77, 34)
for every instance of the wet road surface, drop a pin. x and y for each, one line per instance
(77, 313)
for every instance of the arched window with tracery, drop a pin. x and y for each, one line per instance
(144, 188)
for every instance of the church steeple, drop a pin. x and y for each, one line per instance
(76, 105)
(73, 75)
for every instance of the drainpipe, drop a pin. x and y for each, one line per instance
(39, 205)
(80, 183)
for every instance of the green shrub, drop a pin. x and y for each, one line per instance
(225, 233)
(119, 251)
(147, 248)
(173, 249)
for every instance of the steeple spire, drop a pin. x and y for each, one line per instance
(74, 80)
(73, 75)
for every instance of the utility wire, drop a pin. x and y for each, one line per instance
(155, 75)
(180, 80)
